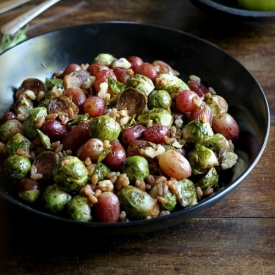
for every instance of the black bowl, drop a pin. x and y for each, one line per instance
(229, 9)
(41, 56)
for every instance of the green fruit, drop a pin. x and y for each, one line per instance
(257, 5)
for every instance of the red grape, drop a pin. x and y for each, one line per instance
(94, 106)
(135, 61)
(187, 101)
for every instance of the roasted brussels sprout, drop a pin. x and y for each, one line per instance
(101, 170)
(217, 104)
(63, 105)
(54, 198)
(201, 159)
(141, 83)
(133, 101)
(137, 203)
(18, 141)
(136, 168)
(170, 83)
(186, 194)
(79, 208)
(218, 143)
(105, 128)
(70, 173)
(16, 167)
(28, 190)
(158, 116)
(9, 129)
(169, 196)
(29, 123)
(105, 59)
(196, 131)
(209, 180)
(159, 99)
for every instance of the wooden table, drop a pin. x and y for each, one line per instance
(237, 236)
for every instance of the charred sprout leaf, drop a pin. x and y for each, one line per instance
(105, 59)
(115, 86)
(77, 119)
(133, 101)
(201, 159)
(136, 168)
(170, 83)
(141, 83)
(45, 163)
(137, 203)
(209, 180)
(186, 194)
(158, 116)
(105, 128)
(29, 123)
(18, 141)
(197, 131)
(101, 170)
(54, 82)
(8, 42)
(217, 104)
(54, 199)
(79, 209)
(16, 167)
(9, 128)
(63, 105)
(159, 99)
(44, 103)
(70, 173)
(45, 140)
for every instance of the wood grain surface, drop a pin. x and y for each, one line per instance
(236, 236)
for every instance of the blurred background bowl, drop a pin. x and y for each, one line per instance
(39, 57)
(229, 9)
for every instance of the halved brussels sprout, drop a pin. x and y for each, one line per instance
(201, 159)
(158, 116)
(70, 173)
(137, 203)
(79, 208)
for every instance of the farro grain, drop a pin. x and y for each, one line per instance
(39, 122)
(208, 191)
(105, 185)
(40, 96)
(70, 112)
(23, 152)
(36, 176)
(162, 199)
(199, 192)
(51, 116)
(194, 78)
(94, 179)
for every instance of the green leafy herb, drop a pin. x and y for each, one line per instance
(7, 41)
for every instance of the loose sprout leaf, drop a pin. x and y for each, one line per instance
(8, 42)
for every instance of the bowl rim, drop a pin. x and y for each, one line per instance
(204, 204)
(234, 11)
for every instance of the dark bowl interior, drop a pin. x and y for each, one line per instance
(229, 9)
(40, 56)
